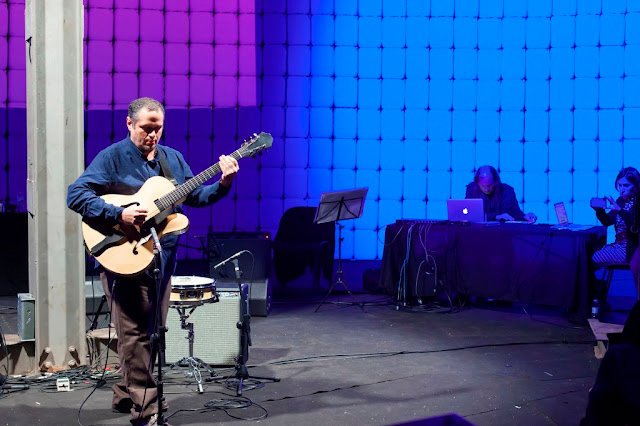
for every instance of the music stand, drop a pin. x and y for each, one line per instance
(333, 207)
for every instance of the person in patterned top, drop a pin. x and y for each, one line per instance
(623, 214)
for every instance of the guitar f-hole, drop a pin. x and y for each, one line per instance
(135, 203)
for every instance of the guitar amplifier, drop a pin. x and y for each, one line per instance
(216, 335)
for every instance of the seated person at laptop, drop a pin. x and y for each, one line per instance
(624, 216)
(500, 201)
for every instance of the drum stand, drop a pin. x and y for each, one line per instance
(194, 364)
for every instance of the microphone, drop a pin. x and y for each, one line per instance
(227, 260)
(15, 387)
(156, 240)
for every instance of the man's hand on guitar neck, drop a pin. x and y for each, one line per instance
(133, 215)
(229, 167)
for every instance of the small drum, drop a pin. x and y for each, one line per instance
(192, 290)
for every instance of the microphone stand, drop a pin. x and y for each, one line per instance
(244, 325)
(158, 336)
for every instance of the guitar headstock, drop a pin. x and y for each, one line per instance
(256, 144)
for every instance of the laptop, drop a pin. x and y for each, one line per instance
(468, 210)
(563, 219)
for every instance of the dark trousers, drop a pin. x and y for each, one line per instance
(133, 302)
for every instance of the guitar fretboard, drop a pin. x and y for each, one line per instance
(181, 191)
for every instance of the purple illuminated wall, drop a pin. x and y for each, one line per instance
(13, 119)
(199, 59)
(189, 54)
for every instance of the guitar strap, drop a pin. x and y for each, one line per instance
(164, 167)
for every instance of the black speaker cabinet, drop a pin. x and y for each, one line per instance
(216, 336)
(259, 295)
(255, 269)
(222, 245)
(14, 266)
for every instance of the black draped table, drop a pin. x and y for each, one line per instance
(518, 262)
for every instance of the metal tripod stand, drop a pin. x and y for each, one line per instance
(339, 272)
(244, 325)
(333, 207)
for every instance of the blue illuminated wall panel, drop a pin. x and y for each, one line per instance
(547, 92)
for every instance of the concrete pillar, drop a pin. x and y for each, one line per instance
(55, 135)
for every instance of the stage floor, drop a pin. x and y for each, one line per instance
(377, 365)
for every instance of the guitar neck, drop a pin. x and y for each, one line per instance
(182, 191)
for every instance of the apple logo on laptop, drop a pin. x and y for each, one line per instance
(465, 211)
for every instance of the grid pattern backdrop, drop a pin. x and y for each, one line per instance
(406, 97)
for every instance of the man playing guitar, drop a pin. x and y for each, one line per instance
(123, 168)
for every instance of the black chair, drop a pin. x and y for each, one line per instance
(300, 244)
(607, 276)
